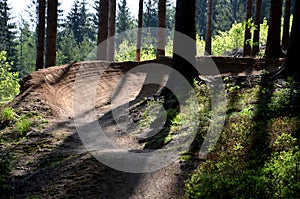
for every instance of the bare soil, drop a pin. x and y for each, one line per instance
(53, 163)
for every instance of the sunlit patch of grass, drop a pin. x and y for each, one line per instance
(7, 115)
(22, 126)
(258, 151)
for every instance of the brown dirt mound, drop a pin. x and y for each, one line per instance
(54, 85)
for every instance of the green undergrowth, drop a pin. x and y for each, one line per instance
(257, 155)
(14, 128)
(181, 122)
(18, 125)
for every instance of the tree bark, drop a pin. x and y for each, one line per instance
(208, 41)
(102, 30)
(51, 35)
(161, 35)
(273, 49)
(185, 24)
(41, 35)
(247, 46)
(291, 66)
(286, 25)
(139, 34)
(255, 48)
(111, 30)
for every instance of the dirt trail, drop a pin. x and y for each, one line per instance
(62, 167)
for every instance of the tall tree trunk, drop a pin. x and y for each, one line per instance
(139, 34)
(291, 66)
(185, 23)
(161, 35)
(255, 48)
(208, 40)
(102, 30)
(51, 33)
(111, 30)
(247, 46)
(41, 35)
(273, 49)
(286, 25)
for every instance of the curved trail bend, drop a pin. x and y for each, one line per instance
(62, 167)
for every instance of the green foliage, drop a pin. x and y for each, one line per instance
(169, 47)
(258, 154)
(223, 43)
(284, 142)
(26, 44)
(126, 52)
(181, 125)
(8, 115)
(7, 32)
(9, 86)
(201, 18)
(284, 100)
(19, 126)
(151, 113)
(150, 13)
(148, 53)
(22, 126)
(69, 51)
(200, 45)
(234, 38)
(281, 174)
(225, 13)
(229, 179)
(79, 23)
(124, 19)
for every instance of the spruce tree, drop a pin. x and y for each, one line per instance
(7, 33)
(79, 21)
(151, 14)
(32, 12)
(26, 44)
(201, 18)
(170, 16)
(72, 23)
(124, 19)
(85, 23)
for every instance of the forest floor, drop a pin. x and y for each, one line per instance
(50, 161)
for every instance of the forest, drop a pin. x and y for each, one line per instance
(169, 99)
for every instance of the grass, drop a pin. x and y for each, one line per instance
(23, 126)
(14, 130)
(17, 125)
(257, 155)
(8, 115)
